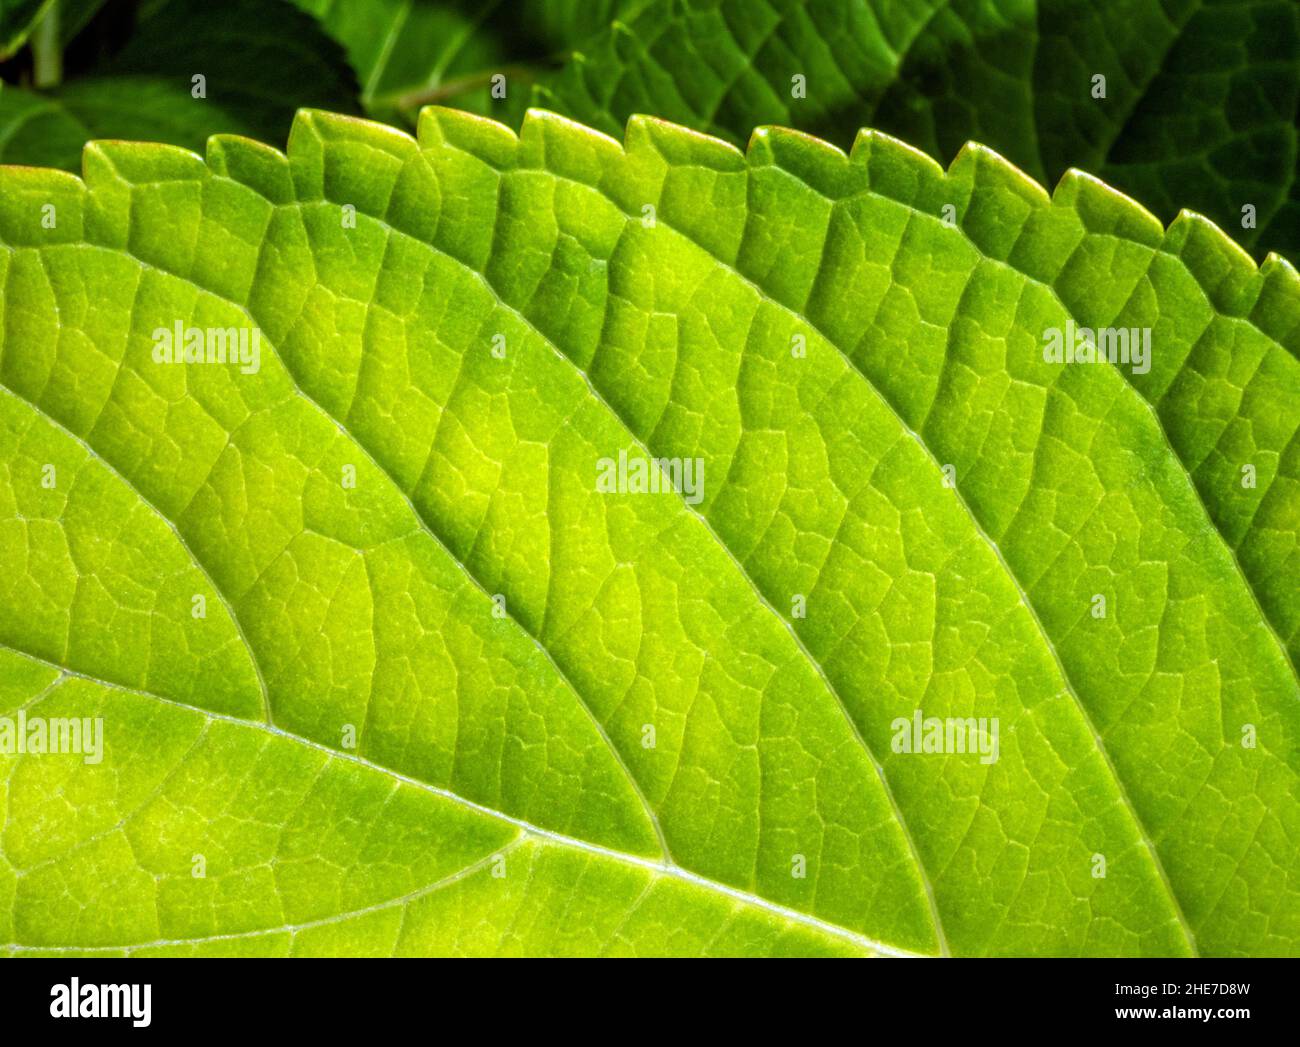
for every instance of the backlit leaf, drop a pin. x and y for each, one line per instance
(456, 691)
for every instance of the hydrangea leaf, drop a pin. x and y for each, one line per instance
(452, 693)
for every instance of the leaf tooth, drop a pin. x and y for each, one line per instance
(567, 147)
(23, 192)
(260, 167)
(1277, 267)
(823, 167)
(999, 199)
(140, 163)
(20, 178)
(440, 127)
(870, 143)
(1103, 209)
(1277, 309)
(313, 129)
(900, 171)
(656, 148)
(1222, 267)
(995, 171)
(680, 145)
(339, 127)
(778, 138)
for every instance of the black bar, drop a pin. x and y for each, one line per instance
(845, 1001)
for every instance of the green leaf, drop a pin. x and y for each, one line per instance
(451, 694)
(1201, 106)
(407, 53)
(75, 15)
(403, 47)
(17, 20)
(259, 64)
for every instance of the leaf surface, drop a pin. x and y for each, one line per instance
(498, 633)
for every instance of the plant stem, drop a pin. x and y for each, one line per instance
(47, 49)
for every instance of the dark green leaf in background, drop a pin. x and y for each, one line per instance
(17, 19)
(260, 62)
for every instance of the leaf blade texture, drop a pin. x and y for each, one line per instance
(501, 796)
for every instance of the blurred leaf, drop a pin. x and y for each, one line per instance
(407, 53)
(399, 47)
(75, 15)
(561, 24)
(260, 63)
(17, 20)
